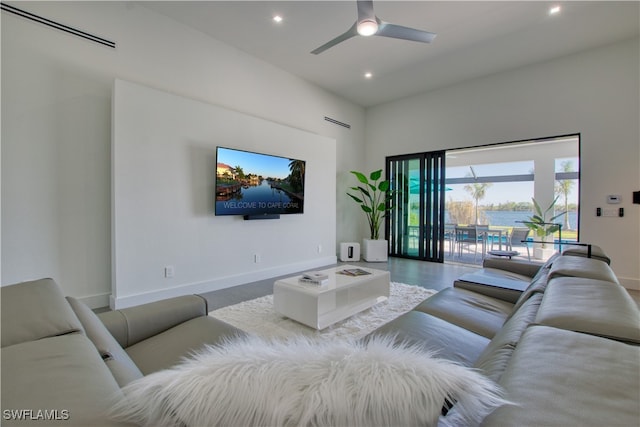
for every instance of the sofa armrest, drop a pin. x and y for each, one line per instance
(515, 266)
(132, 325)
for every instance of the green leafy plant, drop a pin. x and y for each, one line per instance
(540, 223)
(374, 198)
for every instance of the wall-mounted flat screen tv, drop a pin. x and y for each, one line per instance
(254, 184)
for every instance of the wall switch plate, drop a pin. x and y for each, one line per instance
(169, 272)
(613, 199)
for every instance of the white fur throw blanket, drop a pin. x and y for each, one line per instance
(255, 382)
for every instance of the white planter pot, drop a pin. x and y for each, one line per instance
(374, 250)
(543, 253)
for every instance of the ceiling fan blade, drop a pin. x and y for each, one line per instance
(351, 32)
(365, 10)
(385, 29)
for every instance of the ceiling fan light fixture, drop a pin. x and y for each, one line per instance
(367, 27)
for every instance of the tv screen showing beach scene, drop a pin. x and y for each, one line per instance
(249, 183)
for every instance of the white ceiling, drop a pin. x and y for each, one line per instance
(475, 38)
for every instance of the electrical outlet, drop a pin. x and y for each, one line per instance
(169, 271)
(257, 258)
(319, 249)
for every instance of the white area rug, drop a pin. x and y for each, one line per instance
(259, 318)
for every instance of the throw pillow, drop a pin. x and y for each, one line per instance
(255, 382)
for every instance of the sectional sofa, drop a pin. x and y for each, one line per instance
(565, 348)
(562, 339)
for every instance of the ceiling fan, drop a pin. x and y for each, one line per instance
(368, 24)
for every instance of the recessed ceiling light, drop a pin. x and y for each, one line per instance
(277, 19)
(368, 75)
(554, 10)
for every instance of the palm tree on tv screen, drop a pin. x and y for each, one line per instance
(239, 172)
(296, 178)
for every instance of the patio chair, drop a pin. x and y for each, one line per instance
(470, 235)
(450, 236)
(518, 238)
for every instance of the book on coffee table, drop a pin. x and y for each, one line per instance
(314, 277)
(354, 272)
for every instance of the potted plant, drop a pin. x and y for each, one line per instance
(542, 226)
(374, 198)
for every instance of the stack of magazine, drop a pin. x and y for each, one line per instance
(314, 278)
(354, 272)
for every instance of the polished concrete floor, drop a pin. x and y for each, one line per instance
(430, 275)
(427, 274)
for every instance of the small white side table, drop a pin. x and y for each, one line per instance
(319, 306)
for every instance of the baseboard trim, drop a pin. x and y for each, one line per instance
(218, 283)
(630, 283)
(96, 301)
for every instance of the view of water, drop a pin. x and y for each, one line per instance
(258, 199)
(509, 218)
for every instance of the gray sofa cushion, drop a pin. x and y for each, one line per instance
(495, 357)
(590, 306)
(573, 266)
(448, 341)
(538, 286)
(35, 310)
(117, 360)
(562, 378)
(475, 312)
(60, 373)
(164, 350)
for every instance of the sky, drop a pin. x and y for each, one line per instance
(504, 191)
(259, 164)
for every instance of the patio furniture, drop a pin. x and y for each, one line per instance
(518, 238)
(495, 235)
(450, 236)
(471, 235)
(501, 253)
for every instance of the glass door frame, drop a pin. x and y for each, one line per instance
(431, 206)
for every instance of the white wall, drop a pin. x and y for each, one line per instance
(594, 93)
(164, 161)
(56, 120)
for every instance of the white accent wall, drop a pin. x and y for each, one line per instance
(595, 93)
(164, 162)
(56, 136)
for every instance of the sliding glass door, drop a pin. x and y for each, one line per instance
(415, 228)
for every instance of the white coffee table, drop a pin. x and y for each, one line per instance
(319, 306)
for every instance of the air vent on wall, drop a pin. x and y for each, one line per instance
(339, 123)
(57, 25)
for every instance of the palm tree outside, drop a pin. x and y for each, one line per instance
(478, 191)
(564, 187)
